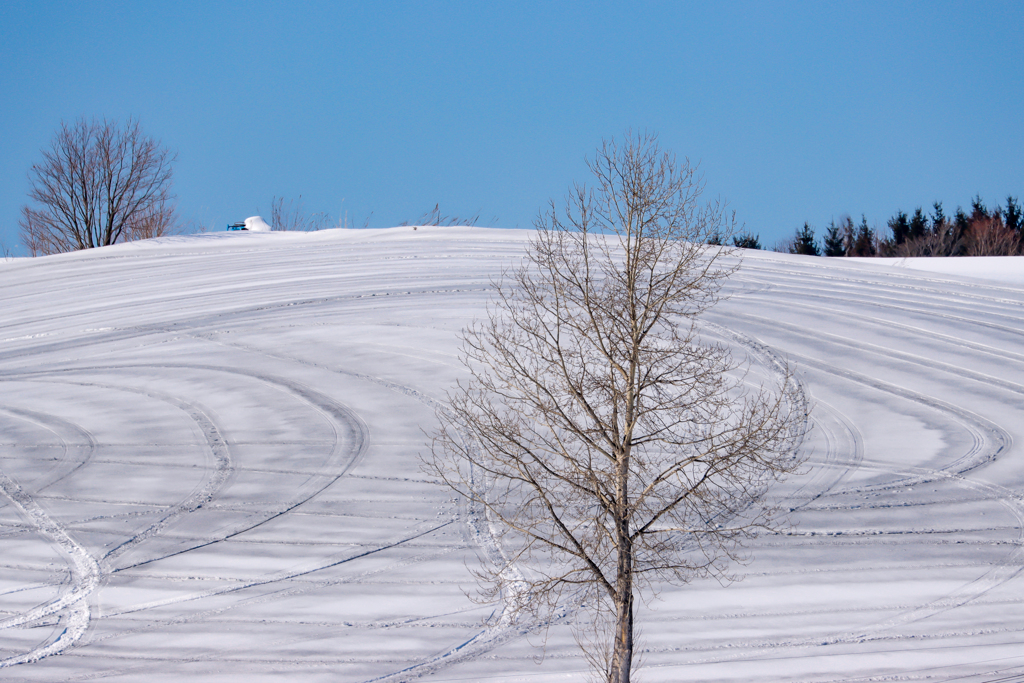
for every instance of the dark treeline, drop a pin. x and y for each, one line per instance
(980, 232)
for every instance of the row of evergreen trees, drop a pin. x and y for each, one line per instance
(982, 232)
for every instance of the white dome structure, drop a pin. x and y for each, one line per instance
(256, 224)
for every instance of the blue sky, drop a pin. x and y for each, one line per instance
(795, 111)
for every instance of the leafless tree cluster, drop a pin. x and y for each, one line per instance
(989, 236)
(609, 445)
(942, 243)
(99, 183)
(985, 236)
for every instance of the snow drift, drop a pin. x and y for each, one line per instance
(256, 224)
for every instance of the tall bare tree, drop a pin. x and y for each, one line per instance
(99, 183)
(608, 445)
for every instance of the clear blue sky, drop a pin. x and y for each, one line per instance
(796, 111)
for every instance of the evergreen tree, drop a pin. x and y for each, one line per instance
(849, 234)
(939, 222)
(1012, 217)
(978, 210)
(804, 242)
(961, 223)
(960, 220)
(747, 241)
(864, 243)
(918, 225)
(834, 243)
(900, 227)
(958, 229)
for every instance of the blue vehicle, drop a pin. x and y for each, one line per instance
(236, 226)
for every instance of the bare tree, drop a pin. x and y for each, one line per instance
(606, 442)
(938, 243)
(988, 236)
(98, 184)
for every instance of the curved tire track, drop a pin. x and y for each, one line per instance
(85, 570)
(85, 577)
(349, 446)
(71, 436)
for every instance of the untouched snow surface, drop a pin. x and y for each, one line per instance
(209, 471)
(996, 268)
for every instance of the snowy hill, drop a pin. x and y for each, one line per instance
(209, 469)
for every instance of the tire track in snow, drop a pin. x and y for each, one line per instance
(218, 450)
(86, 573)
(888, 279)
(276, 577)
(790, 385)
(221, 454)
(916, 286)
(844, 452)
(498, 631)
(998, 575)
(887, 324)
(990, 440)
(73, 438)
(280, 594)
(85, 577)
(350, 440)
(188, 323)
(915, 359)
(837, 302)
(883, 630)
(800, 404)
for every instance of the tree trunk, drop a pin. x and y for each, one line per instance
(622, 655)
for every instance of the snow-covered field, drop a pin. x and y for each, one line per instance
(209, 470)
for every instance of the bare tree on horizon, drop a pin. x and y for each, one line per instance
(99, 184)
(608, 446)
